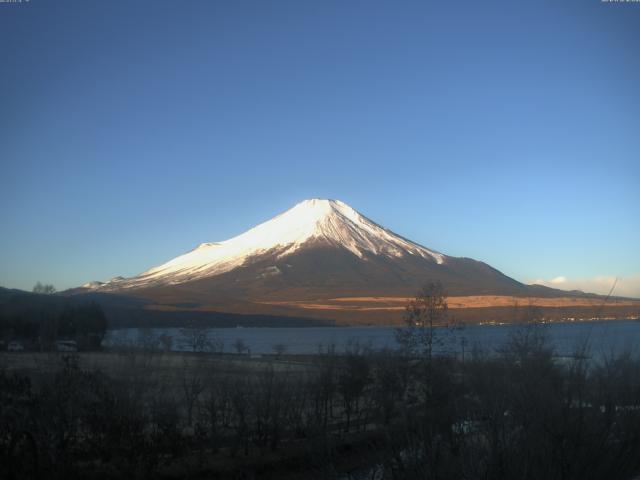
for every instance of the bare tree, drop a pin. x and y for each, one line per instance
(46, 288)
(147, 340)
(352, 381)
(426, 311)
(240, 346)
(196, 338)
(216, 409)
(192, 388)
(166, 341)
(279, 349)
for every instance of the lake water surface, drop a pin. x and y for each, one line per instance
(603, 337)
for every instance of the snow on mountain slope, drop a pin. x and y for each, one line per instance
(328, 221)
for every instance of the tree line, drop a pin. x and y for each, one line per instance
(40, 328)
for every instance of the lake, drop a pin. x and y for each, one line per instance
(604, 337)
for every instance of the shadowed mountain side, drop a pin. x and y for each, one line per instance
(328, 271)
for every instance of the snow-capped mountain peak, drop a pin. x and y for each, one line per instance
(312, 221)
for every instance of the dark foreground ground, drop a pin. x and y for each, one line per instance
(520, 414)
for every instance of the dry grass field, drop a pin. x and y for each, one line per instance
(140, 415)
(472, 301)
(389, 309)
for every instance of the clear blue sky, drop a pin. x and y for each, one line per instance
(500, 130)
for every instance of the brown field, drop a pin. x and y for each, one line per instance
(473, 301)
(389, 309)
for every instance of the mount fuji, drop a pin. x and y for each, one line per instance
(319, 259)
(344, 247)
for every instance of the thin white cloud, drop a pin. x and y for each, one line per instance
(558, 280)
(628, 286)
